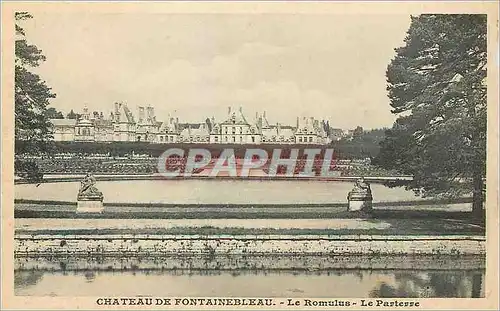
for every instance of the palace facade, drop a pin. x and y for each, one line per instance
(122, 125)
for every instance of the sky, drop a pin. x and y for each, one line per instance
(195, 66)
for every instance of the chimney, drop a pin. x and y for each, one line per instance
(241, 110)
(264, 114)
(141, 114)
(297, 122)
(117, 108)
(228, 111)
(256, 115)
(151, 113)
(86, 115)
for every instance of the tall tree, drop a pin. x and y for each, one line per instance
(73, 115)
(32, 126)
(436, 84)
(209, 124)
(358, 131)
(52, 113)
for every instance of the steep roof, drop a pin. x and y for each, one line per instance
(287, 132)
(265, 122)
(103, 123)
(63, 122)
(236, 117)
(278, 131)
(128, 113)
(124, 113)
(306, 126)
(169, 127)
(201, 130)
(183, 126)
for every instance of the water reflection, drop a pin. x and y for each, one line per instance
(445, 284)
(27, 279)
(89, 276)
(212, 191)
(246, 283)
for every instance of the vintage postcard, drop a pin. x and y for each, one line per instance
(250, 155)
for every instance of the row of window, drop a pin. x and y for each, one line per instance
(83, 131)
(305, 131)
(235, 130)
(169, 138)
(304, 139)
(233, 139)
(195, 139)
(129, 128)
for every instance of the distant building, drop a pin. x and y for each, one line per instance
(236, 128)
(194, 133)
(147, 128)
(310, 131)
(64, 129)
(124, 126)
(120, 126)
(336, 134)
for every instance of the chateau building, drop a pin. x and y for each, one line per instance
(236, 128)
(63, 129)
(124, 126)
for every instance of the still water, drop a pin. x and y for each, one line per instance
(248, 283)
(212, 191)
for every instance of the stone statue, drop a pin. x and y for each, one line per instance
(89, 200)
(88, 189)
(362, 186)
(360, 197)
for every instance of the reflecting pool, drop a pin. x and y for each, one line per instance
(212, 191)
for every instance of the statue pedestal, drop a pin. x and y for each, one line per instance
(359, 201)
(89, 205)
